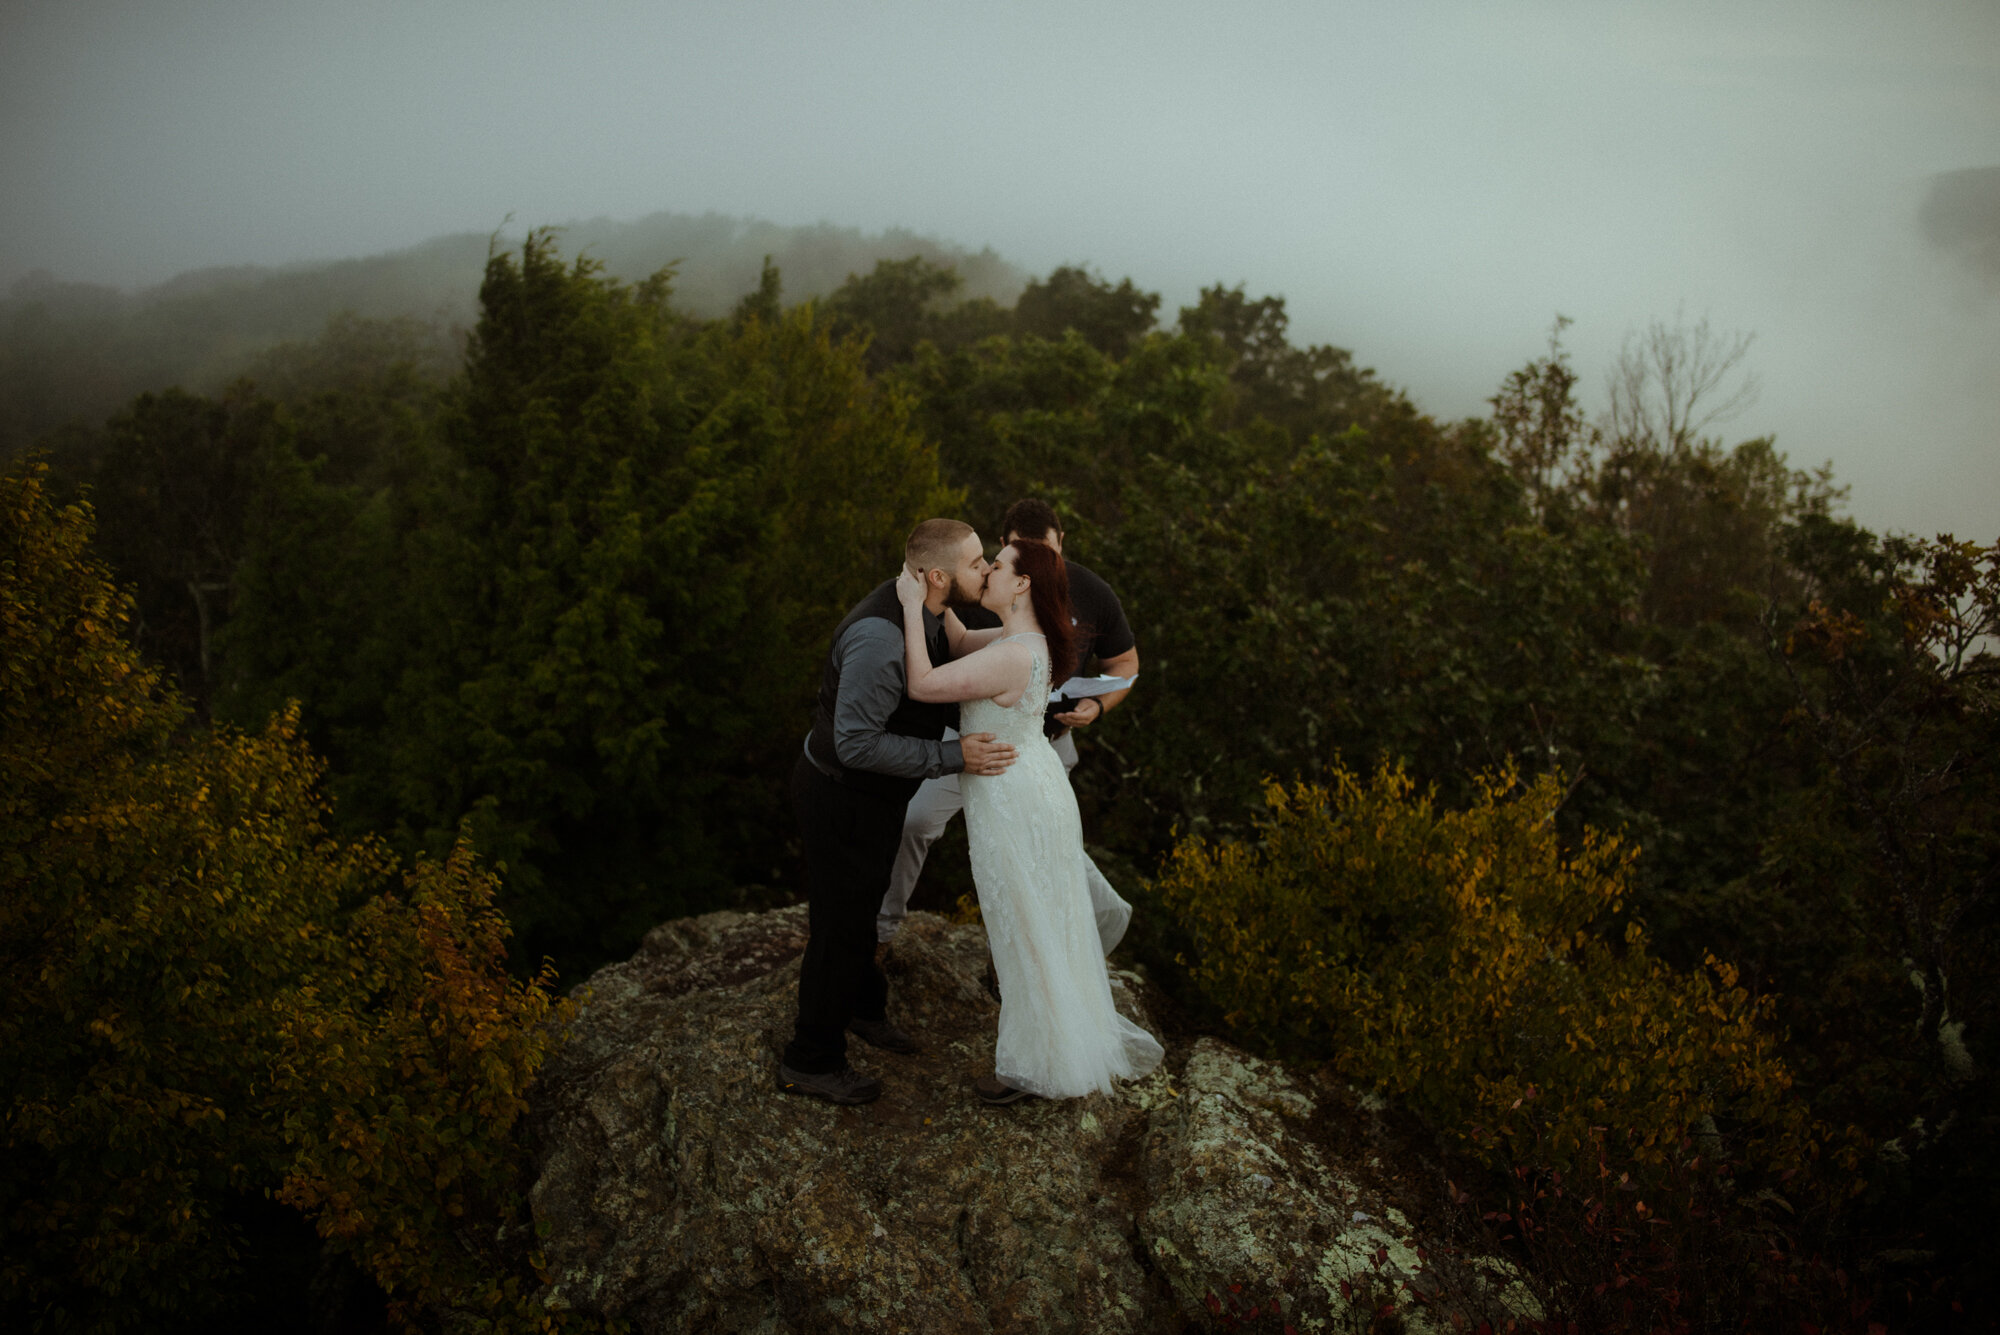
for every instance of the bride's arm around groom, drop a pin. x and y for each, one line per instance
(979, 669)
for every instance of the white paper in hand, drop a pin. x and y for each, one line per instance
(1082, 688)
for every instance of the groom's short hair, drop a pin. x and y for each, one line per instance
(1031, 518)
(935, 543)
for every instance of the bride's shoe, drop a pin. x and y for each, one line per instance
(995, 1092)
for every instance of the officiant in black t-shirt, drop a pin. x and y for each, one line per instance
(1104, 634)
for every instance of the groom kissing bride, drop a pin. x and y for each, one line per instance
(900, 666)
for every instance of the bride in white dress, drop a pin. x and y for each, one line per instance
(1060, 1035)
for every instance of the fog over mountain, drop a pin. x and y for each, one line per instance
(715, 259)
(1428, 184)
(77, 351)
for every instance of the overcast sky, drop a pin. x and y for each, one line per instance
(1426, 184)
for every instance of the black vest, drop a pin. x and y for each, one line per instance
(910, 718)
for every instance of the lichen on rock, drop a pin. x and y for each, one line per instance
(678, 1190)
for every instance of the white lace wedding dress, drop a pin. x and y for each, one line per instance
(1060, 1036)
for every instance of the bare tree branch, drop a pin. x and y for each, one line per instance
(1673, 381)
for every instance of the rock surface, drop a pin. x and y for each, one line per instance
(677, 1190)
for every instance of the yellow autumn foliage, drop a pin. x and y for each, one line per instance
(1470, 964)
(210, 998)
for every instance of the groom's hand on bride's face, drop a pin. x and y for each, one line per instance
(983, 755)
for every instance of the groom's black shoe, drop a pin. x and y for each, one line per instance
(881, 1034)
(846, 1085)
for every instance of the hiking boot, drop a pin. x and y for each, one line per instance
(881, 1034)
(996, 1093)
(846, 1085)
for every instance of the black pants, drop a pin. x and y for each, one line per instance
(850, 847)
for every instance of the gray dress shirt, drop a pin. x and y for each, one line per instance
(872, 682)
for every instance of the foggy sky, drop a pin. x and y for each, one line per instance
(1426, 184)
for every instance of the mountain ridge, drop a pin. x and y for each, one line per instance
(74, 352)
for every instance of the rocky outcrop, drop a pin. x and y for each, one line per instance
(678, 1191)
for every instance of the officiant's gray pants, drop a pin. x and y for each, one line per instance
(924, 820)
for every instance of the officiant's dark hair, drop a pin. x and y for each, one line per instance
(1031, 519)
(1048, 589)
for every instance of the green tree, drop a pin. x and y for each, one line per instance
(589, 624)
(1379, 590)
(766, 303)
(1541, 434)
(1712, 521)
(1299, 392)
(213, 999)
(361, 396)
(1110, 319)
(171, 479)
(1324, 608)
(1895, 684)
(1030, 416)
(902, 304)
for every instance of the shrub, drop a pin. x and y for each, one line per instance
(400, 1139)
(1467, 962)
(209, 998)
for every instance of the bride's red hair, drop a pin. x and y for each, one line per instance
(1048, 590)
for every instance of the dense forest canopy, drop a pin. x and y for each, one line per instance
(558, 596)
